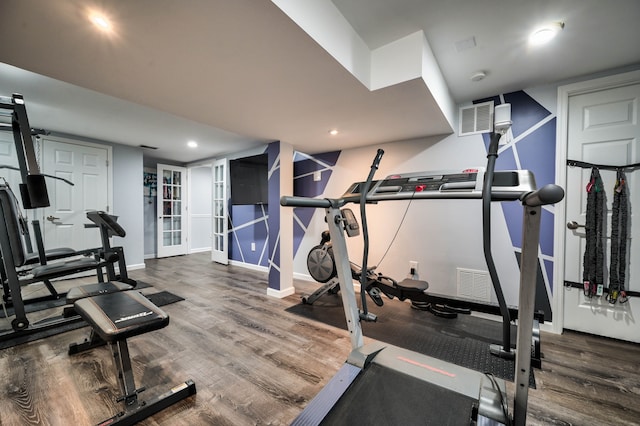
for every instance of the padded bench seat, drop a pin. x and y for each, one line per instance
(97, 289)
(50, 254)
(118, 316)
(64, 267)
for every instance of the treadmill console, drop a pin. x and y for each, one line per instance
(507, 185)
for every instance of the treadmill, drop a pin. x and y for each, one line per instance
(384, 384)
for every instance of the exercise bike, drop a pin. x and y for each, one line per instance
(322, 268)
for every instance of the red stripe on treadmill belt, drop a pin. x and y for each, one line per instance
(428, 367)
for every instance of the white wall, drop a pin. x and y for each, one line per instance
(127, 201)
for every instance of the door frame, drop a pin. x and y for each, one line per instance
(220, 256)
(190, 210)
(560, 219)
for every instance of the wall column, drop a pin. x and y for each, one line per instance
(280, 220)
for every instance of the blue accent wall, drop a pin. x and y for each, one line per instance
(273, 221)
(249, 234)
(533, 147)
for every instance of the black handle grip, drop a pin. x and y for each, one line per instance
(102, 218)
(376, 160)
(548, 194)
(288, 201)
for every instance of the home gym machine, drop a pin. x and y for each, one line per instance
(113, 310)
(20, 266)
(383, 383)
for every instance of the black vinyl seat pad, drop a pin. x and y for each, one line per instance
(66, 267)
(97, 289)
(117, 316)
(50, 254)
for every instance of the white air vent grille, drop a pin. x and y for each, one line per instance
(474, 284)
(476, 119)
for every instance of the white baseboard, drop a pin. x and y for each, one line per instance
(548, 327)
(281, 293)
(199, 250)
(136, 266)
(303, 277)
(249, 266)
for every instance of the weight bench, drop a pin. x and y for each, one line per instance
(115, 317)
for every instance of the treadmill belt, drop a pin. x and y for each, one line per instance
(463, 341)
(381, 396)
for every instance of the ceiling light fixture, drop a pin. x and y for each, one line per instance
(333, 132)
(101, 21)
(192, 144)
(478, 75)
(545, 33)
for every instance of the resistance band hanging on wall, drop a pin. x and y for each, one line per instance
(618, 241)
(593, 261)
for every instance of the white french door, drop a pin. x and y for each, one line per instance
(172, 211)
(87, 167)
(603, 127)
(219, 249)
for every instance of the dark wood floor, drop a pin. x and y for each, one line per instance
(255, 364)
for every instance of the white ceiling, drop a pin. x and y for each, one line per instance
(234, 74)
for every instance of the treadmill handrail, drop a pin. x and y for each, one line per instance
(548, 194)
(289, 201)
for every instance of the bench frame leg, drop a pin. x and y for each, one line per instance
(135, 411)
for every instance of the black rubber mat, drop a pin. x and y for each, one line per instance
(374, 398)
(163, 298)
(463, 341)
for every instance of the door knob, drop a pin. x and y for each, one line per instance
(52, 218)
(574, 225)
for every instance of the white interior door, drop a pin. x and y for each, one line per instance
(87, 166)
(172, 211)
(603, 128)
(219, 250)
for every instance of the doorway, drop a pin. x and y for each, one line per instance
(599, 124)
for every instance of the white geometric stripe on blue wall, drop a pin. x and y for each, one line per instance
(305, 170)
(533, 148)
(248, 236)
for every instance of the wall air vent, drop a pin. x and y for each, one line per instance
(476, 119)
(148, 147)
(473, 284)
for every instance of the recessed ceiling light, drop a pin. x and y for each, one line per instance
(545, 33)
(333, 132)
(192, 144)
(101, 21)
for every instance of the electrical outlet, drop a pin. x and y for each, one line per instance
(413, 267)
(253, 246)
